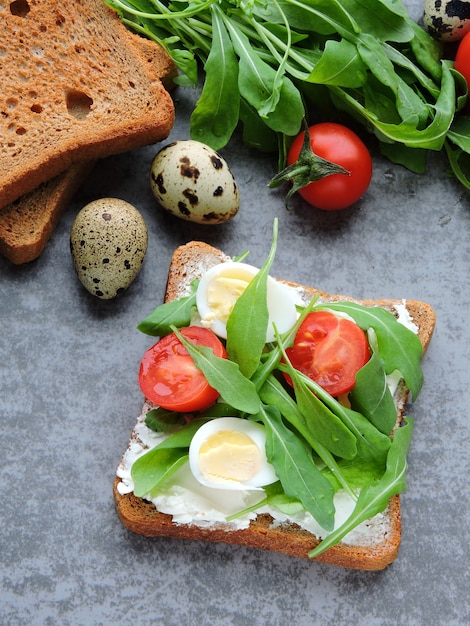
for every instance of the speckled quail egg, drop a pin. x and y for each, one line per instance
(220, 287)
(447, 20)
(108, 242)
(193, 182)
(230, 453)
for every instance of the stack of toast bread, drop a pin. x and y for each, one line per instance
(375, 551)
(77, 86)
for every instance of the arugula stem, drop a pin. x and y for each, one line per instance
(249, 509)
(277, 49)
(272, 359)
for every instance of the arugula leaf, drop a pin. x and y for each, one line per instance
(369, 443)
(389, 21)
(218, 108)
(399, 347)
(295, 468)
(374, 498)
(272, 392)
(256, 83)
(223, 375)
(371, 395)
(340, 64)
(162, 420)
(160, 462)
(153, 468)
(174, 313)
(324, 425)
(248, 322)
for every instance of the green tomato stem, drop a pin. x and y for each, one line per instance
(308, 168)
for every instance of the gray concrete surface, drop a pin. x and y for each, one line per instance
(69, 398)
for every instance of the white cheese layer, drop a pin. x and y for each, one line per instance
(189, 502)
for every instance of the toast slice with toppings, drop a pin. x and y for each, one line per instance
(376, 543)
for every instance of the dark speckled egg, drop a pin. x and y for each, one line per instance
(193, 182)
(447, 20)
(108, 242)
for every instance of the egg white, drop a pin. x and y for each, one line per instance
(256, 432)
(280, 300)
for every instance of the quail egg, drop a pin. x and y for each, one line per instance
(193, 182)
(108, 242)
(229, 453)
(221, 286)
(447, 20)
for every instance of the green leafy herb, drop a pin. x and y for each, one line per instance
(324, 425)
(174, 313)
(261, 59)
(371, 395)
(374, 497)
(400, 348)
(158, 464)
(218, 108)
(299, 476)
(248, 321)
(162, 421)
(272, 392)
(223, 375)
(153, 468)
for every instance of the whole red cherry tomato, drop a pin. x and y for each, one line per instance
(339, 145)
(462, 58)
(168, 376)
(330, 350)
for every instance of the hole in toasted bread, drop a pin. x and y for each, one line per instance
(36, 108)
(19, 8)
(78, 104)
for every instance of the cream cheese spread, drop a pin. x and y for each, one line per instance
(189, 502)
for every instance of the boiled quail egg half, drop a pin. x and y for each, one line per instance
(229, 453)
(221, 286)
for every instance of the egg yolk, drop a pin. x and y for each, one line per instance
(222, 293)
(229, 456)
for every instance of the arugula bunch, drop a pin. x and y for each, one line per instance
(316, 444)
(265, 63)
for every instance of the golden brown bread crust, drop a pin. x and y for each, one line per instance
(27, 223)
(75, 86)
(141, 517)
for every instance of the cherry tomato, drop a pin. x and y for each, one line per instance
(330, 350)
(462, 58)
(341, 146)
(168, 376)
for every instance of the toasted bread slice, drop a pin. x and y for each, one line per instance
(372, 552)
(27, 223)
(75, 86)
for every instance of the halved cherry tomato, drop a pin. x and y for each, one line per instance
(330, 350)
(168, 376)
(340, 145)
